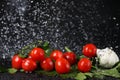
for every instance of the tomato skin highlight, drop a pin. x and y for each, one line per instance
(37, 54)
(47, 64)
(62, 66)
(71, 57)
(84, 65)
(89, 50)
(56, 54)
(29, 65)
(17, 62)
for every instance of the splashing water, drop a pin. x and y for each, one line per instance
(62, 23)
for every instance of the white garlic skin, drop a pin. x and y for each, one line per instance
(107, 57)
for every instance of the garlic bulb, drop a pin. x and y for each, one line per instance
(107, 57)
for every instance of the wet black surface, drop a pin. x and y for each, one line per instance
(34, 76)
(61, 22)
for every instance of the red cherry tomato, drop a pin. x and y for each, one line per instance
(84, 65)
(29, 65)
(71, 57)
(47, 64)
(56, 54)
(62, 66)
(89, 50)
(37, 54)
(17, 62)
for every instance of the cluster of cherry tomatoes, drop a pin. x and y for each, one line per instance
(59, 61)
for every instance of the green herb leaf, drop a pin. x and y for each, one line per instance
(111, 72)
(21, 70)
(45, 45)
(47, 49)
(88, 74)
(80, 76)
(47, 52)
(81, 56)
(100, 73)
(12, 70)
(83, 76)
(26, 49)
(68, 75)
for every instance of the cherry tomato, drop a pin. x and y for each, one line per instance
(47, 64)
(17, 62)
(84, 65)
(89, 50)
(37, 54)
(71, 57)
(62, 66)
(29, 65)
(56, 54)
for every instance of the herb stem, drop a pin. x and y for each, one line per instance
(67, 49)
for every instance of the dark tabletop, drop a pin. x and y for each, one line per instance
(71, 23)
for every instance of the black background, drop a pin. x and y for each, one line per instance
(71, 23)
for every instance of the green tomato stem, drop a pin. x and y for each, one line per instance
(67, 49)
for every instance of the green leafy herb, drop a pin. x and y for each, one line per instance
(12, 70)
(88, 74)
(26, 49)
(111, 72)
(21, 70)
(100, 73)
(46, 47)
(80, 76)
